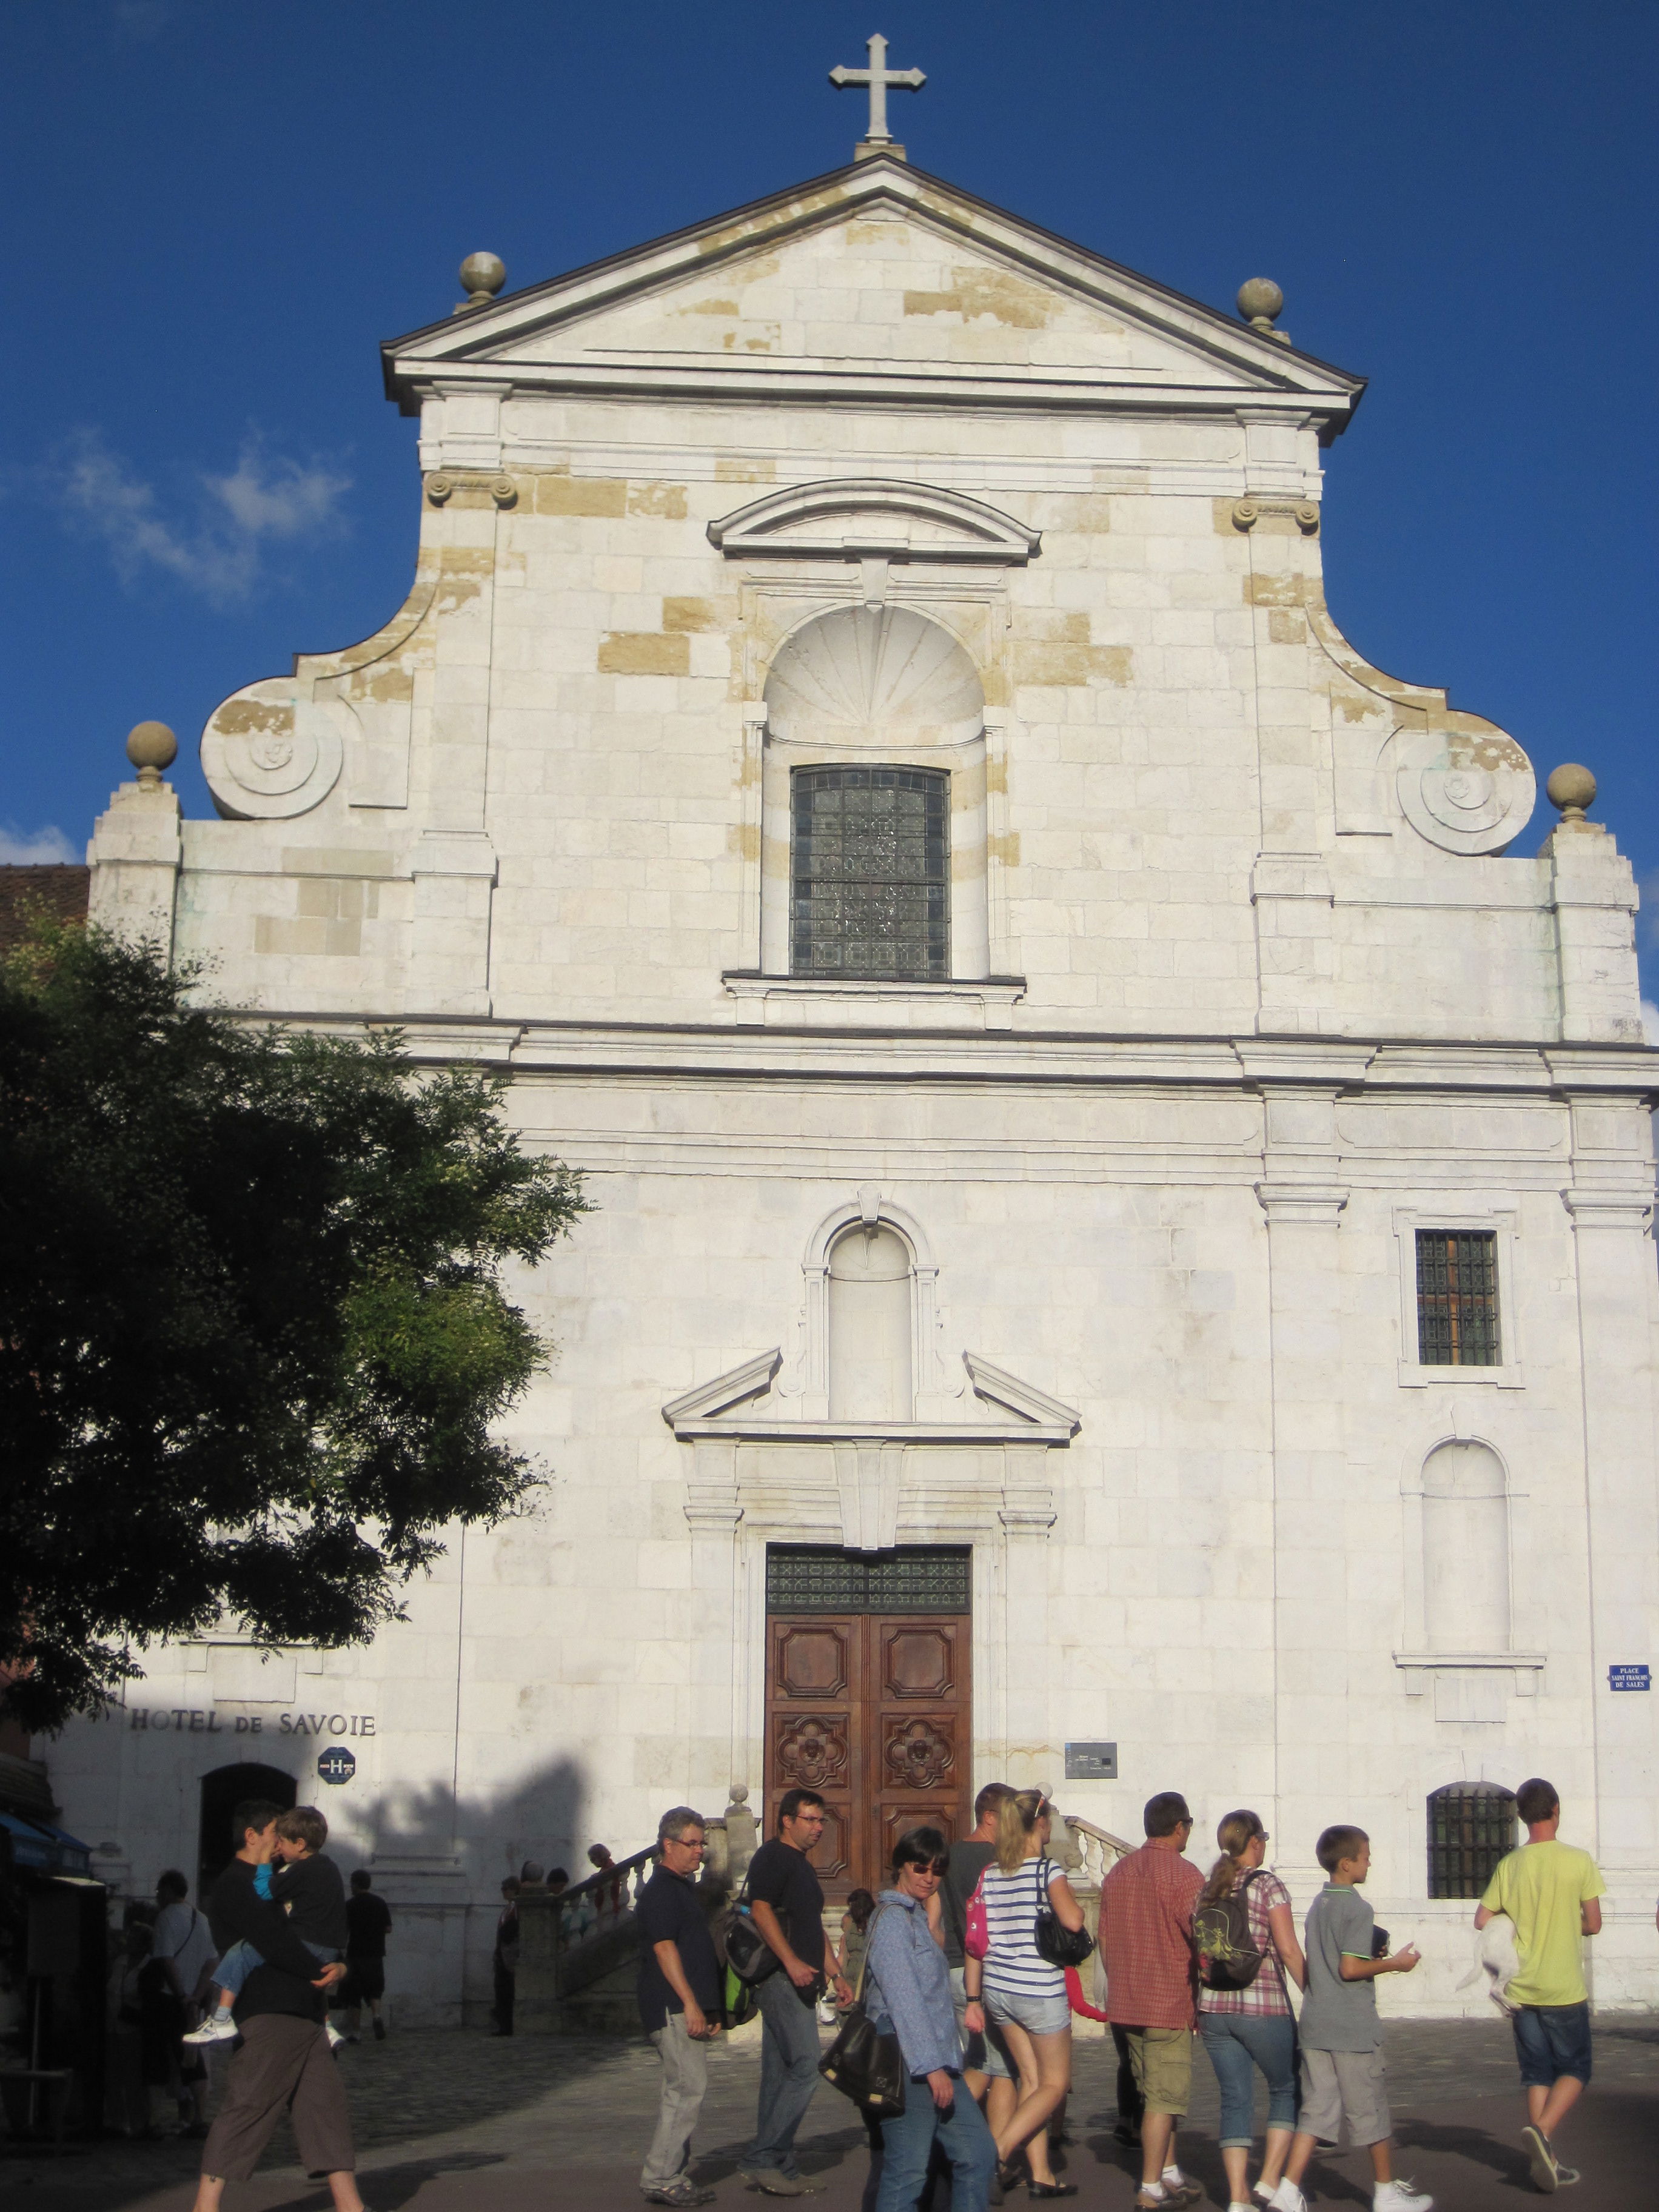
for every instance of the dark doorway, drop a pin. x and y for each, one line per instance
(223, 1791)
(868, 1698)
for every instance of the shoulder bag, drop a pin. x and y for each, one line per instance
(1060, 1945)
(977, 1928)
(863, 2065)
(744, 1950)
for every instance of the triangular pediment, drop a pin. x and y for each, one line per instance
(874, 276)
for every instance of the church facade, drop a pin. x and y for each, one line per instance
(1122, 1256)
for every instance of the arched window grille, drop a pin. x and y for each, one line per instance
(1471, 1827)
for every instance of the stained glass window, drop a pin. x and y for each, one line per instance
(1458, 1297)
(870, 892)
(808, 1578)
(1470, 1826)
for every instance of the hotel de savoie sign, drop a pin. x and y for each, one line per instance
(209, 1720)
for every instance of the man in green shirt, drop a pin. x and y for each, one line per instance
(1551, 1891)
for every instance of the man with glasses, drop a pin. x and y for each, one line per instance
(787, 1902)
(679, 1993)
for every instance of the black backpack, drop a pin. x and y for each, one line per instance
(1227, 1955)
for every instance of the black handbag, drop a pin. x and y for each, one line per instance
(1060, 1945)
(863, 2064)
(748, 1953)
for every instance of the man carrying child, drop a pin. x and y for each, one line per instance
(306, 1888)
(284, 2062)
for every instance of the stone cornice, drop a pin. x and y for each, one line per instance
(877, 1053)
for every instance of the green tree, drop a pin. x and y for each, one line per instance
(253, 1335)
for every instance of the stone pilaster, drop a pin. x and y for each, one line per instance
(719, 1631)
(135, 855)
(1593, 893)
(1611, 1202)
(1303, 1195)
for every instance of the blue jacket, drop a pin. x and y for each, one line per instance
(908, 1983)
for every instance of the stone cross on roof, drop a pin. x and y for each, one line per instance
(878, 77)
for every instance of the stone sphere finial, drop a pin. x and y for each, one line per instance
(482, 275)
(739, 1793)
(151, 747)
(1261, 302)
(1572, 788)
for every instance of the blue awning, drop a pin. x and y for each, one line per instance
(43, 1849)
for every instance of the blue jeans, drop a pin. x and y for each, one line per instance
(1551, 2040)
(789, 2073)
(240, 1961)
(906, 2148)
(1238, 2043)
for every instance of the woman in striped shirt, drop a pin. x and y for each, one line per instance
(1017, 1996)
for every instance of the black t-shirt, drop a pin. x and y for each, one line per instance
(669, 1912)
(968, 1862)
(782, 1877)
(369, 1923)
(237, 1913)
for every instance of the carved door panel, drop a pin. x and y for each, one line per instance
(923, 1747)
(814, 1698)
(874, 1711)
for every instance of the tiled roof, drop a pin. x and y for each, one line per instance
(58, 891)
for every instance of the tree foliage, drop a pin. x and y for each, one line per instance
(253, 1336)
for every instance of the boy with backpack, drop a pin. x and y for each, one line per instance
(1342, 2072)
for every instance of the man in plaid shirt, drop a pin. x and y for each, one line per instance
(1146, 1939)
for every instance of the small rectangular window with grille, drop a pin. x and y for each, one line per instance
(810, 1579)
(1471, 1827)
(1457, 1298)
(870, 874)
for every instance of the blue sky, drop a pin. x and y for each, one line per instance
(217, 208)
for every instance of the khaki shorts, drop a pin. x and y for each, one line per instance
(1161, 2060)
(1345, 2084)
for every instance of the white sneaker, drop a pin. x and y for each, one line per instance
(1287, 2198)
(213, 2030)
(335, 2038)
(1401, 2197)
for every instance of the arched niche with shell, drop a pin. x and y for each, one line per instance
(867, 686)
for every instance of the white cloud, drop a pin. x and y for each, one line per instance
(221, 549)
(33, 848)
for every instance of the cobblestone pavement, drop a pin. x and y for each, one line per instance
(462, 2119)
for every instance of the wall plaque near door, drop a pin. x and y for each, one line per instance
(868, 1700)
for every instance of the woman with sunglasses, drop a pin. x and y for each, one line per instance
(906, 1993)
(1252, 2030)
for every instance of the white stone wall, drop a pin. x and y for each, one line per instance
(1264, 973)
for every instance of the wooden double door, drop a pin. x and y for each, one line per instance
(874, 1711)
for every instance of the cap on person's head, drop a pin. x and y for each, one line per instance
(531, 1872)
